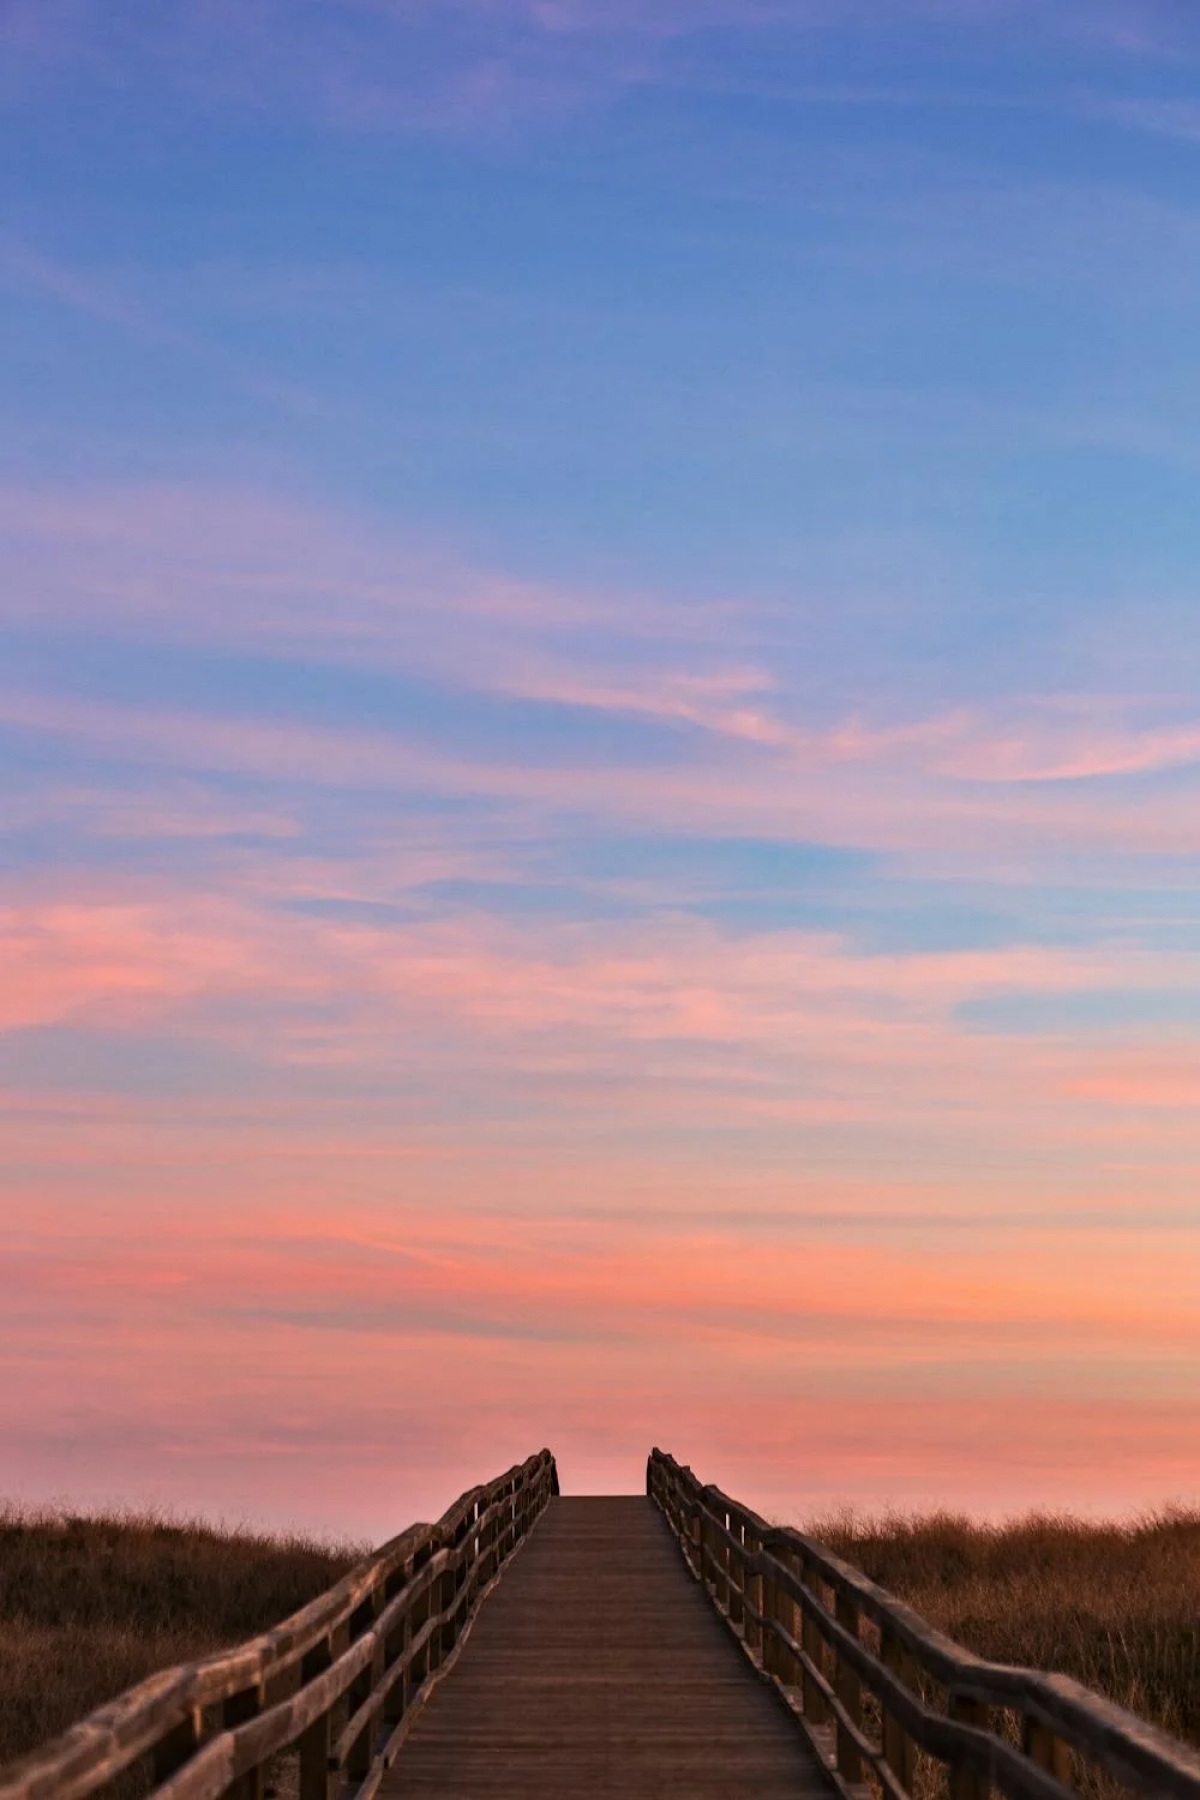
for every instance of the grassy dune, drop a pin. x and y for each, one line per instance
(90, 1606)
(1116, 1606)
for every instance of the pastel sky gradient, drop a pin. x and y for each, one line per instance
(600, 746)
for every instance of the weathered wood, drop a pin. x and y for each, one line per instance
(966, 1782)
(335, 1646)
(235, 1711)
(736, 1562)
(395, 1643)
(898, 1748)
(1067, 1724)
(176, 1747)
(357, 1755)
(786, 1662)
(848, 1686)
(598, 1669)
(316, 1781)
(753, 1588)
(1047, 1750)
(815, 1709)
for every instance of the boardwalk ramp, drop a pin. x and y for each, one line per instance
(598, 1667)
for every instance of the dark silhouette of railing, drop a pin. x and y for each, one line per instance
(871, 1684)
(342, 1681)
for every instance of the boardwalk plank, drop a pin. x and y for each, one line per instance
(598, 1668)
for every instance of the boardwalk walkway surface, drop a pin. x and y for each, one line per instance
(599, 1668)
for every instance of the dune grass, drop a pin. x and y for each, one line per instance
(1115, 1605)
(89, 1606)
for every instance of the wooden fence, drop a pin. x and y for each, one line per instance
(341, 1681)
(877, 1691)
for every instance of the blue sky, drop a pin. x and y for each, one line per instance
(598, 634)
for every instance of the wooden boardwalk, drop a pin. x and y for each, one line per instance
(599, 1668)
(526, 1646)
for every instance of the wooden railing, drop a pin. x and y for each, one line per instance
(341, 1682)
(877, 1691)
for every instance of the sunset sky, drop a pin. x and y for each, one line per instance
(600, 734)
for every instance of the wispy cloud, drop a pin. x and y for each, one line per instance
(247, 571)
(22, 266)
(483, 65)
(327, 1308)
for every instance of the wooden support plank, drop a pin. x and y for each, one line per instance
(1049, 1752)
(394, 1648)
(316, 1778)
(176, 1746)
(815, 1709)
(359, 1759)
(898, 1749)
(235, 1711)
(786, 1664)
(737, 1574)
(965, 1783)
(848, 1687)
(754, 1593)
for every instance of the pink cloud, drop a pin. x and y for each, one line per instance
(1013, 780)
(833, 793)
(678, 978)
(1150, 1076)
(323, 1032)
(917, 1377)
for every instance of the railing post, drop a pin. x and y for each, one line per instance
(769, 1600)
(493, 1541)
(436, 1601)
(965, 1781)
(418, 1618)
(177, 1747)
(753, 1590)
(716, 1560)
(358, 1760)
(737, 1571)
(848, 1688)
(1050, 1752)
(234, 1712)
(898, 1747)
(725, 1563)
(448, 1607)
(786, 1665)
(393, 1650)
(316, 1780)
(816, 1708)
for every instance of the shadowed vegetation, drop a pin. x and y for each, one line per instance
(1116, 1606)
(88, 1607)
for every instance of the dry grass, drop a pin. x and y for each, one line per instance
(1116, 1606)
(88, 1607)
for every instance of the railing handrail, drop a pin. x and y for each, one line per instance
(1062, 1716)
(360, 1632)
